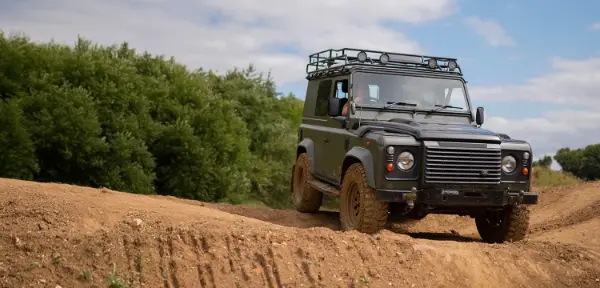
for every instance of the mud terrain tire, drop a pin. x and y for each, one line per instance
(514, 225)
(358, 208)
(305, 198)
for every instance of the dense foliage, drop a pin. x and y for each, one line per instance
(110, 117)
(583, 163)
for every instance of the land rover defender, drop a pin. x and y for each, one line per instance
(393, 136)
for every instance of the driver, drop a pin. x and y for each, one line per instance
(360, 96)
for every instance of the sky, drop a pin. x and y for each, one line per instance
(533, 65)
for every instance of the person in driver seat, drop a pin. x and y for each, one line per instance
(360, 96)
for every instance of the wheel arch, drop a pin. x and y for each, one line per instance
(307, 146)
(365, 158)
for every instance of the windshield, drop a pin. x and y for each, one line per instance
(420, 92)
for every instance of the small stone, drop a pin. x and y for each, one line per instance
(138, 222)
(17, 242)
(57, 286)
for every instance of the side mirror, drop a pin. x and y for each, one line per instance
(353, 107)
(479, 116)
(334, 108)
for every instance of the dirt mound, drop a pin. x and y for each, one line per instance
(71, 236)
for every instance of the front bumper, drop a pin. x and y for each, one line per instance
(455, 198)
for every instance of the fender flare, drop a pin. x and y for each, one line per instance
(364, 156)
(309, 147)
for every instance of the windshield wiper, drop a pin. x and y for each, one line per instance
(400, 103)
(392, 103)
(442, 107)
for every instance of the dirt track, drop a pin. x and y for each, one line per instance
(71, 236)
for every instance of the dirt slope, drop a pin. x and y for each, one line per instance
(71, 236)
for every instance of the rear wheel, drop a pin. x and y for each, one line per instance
(510, 224)
(359, 210)
(305, 198)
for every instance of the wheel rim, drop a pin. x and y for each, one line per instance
(494, 219)
(353, 205)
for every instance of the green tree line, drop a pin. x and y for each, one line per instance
(583, 163)
(107, 116)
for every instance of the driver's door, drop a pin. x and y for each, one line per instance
(336, 136)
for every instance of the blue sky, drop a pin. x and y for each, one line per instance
(540, 30)
(533, 65)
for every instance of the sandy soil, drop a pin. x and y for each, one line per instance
(53, 234)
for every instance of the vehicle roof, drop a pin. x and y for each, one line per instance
(334, 62)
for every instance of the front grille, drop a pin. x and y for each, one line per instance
(460, 165)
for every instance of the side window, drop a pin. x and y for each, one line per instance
(341, 89)
(323, 93)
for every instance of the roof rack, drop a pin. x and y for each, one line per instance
(336, 60)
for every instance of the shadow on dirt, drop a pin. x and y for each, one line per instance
(442, 237)
(290, 218)
(324, 219)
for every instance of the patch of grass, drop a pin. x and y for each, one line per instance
(113, 279)
(364, 281)
(56, 260)
(34, 266)
(254, 204)
(86, 275)
(543, 177)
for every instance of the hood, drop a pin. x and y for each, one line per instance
(431, 131)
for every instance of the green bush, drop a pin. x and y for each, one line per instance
(108, 116)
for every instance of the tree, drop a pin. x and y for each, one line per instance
(545, 161)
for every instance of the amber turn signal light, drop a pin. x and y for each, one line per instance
(525, 171)
(390, 167)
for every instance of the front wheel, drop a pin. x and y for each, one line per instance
(510, 224)
(359, 210)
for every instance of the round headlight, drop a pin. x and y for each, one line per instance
(406, 161)
(390, 150)
(509, 164)
(526, 155)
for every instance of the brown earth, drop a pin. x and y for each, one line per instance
(53, 234)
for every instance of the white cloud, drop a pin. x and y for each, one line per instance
(595, 26)
(552, 130)
(183, 29)
(570, 82)
(491, 31)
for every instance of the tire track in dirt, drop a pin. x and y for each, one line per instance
(206, 277)
(133, 254)
(164, 270)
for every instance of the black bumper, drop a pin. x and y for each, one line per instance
(454, 198)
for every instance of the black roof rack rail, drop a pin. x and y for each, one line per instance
(332, 61)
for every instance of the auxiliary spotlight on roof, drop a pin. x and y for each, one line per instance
(384, 58)
(341, 60)
(432, 63)
(451, 65)
(362, 56)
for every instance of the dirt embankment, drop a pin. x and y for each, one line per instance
(71, 236)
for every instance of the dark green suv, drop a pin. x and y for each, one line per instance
(394, 136)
